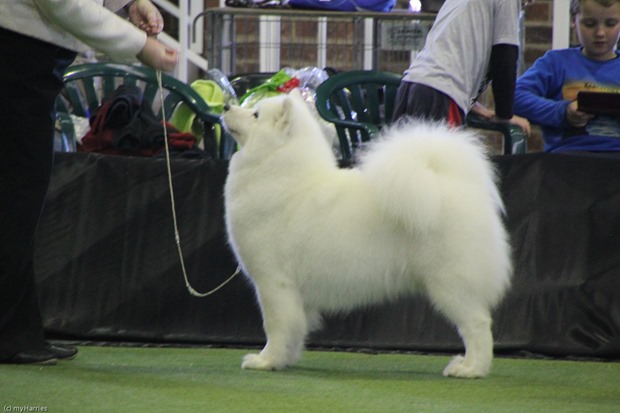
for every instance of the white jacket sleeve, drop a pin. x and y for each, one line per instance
(96, 26)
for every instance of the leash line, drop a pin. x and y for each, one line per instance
(177, 238)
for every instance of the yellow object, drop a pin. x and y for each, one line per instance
(183, 117)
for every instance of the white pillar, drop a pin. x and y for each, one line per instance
(269, 29)
(321, 42)
(369, 33)
(561, 24)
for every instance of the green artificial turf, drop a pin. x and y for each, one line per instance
(130, 379)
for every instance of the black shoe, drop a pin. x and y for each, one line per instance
(61, 352)
(40, 357)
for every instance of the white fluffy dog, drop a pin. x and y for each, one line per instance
(419, 213)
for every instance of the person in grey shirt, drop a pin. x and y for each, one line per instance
(471, 43)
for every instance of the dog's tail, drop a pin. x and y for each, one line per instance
(413, 168)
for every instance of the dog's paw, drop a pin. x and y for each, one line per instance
(458, 367)
(258, 362)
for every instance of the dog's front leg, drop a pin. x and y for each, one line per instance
(285, 324)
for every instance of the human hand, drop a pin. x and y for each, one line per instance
(522, 123)
(158, 56)
(575, 117)
(144, 15)
(480, 110)
(518, 121)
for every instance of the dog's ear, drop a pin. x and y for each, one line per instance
(287, 113)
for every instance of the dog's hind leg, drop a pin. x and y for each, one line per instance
(286, 327)
(473, 322)
(478, 339)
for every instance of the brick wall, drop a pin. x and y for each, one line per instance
(538, 30)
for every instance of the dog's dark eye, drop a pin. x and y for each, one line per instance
(256, 115)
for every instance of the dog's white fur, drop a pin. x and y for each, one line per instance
(419, 213)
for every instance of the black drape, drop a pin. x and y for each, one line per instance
(108, 268)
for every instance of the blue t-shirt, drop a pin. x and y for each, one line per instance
(545, 90)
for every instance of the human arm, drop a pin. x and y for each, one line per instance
(144, 15)
(157, 55)
(103, 30)
(502, 71)
(482, 111)
(538, 93)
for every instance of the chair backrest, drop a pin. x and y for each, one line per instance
(242, 83)
(358, 103)
(86, 85)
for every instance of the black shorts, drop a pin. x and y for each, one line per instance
(420, 101)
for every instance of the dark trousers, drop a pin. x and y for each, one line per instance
(422, 102)
(30, 79)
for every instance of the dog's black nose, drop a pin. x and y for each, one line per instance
(226, 107)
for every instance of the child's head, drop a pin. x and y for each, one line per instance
(575, 5)
(597, 23)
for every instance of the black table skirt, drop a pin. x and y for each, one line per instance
(108, 269)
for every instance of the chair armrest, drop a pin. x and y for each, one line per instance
(515, 139)
(67, 131)
(368, 129)
(351, 134)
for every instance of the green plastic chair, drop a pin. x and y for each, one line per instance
(242, 83)
(515, 139)
(360, 102)
(86, 85)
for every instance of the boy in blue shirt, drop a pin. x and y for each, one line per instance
(546, 94)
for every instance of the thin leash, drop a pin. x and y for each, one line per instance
(177, 238)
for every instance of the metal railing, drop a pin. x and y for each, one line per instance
(202, 49)
(243, 40)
